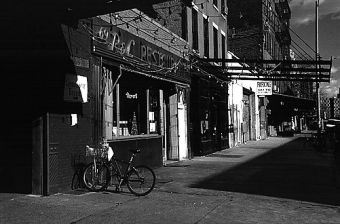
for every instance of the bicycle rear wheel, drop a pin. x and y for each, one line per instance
(141, 180)
(96, 177)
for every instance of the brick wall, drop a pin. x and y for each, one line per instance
(67, 142)
(172, 15)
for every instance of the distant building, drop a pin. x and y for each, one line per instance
(204, 26)
(260, 30)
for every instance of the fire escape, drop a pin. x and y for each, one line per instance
(286, 68)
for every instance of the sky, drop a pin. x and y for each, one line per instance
(303, 24)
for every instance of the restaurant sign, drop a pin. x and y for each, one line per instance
(120, 41)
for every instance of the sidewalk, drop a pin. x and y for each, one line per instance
(278, 180)
(277, 167)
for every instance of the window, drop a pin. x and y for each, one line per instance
(223, 46)
(206, 36)
(184, 24)
(215, 33)
(130, 108)
(132, 111)
(204, 111)
(153, 115)
(194, 30)
(205, 124)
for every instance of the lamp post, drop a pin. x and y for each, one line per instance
(317, 3)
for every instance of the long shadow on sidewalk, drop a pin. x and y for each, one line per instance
(292, 171)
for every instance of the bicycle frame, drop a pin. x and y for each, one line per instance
(115, 162)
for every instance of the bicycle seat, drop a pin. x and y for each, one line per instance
(135, 150)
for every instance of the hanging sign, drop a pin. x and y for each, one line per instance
(264, 88)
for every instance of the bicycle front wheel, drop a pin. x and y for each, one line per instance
(96, 177)
(141, 180)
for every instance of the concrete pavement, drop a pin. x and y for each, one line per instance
(278, 180)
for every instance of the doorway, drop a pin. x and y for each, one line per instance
(176, 147)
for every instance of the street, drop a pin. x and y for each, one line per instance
(278, 180)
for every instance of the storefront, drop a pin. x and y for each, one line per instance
(209, 116)
(142, 93)
(121, 86)
(243, 111)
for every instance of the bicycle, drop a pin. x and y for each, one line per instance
(106, 169)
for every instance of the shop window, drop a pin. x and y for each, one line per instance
(153, 118)
(129, 108)
(133, 117)
(205, 124)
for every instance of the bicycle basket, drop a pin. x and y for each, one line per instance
(99, 153)
(102, 153)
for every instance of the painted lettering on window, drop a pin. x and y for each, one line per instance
(131, 96)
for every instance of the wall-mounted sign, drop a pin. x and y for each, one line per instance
(125, 43)
(264, 88)
(75, 89)
(81, 62)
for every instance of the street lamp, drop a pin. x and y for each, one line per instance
(317, 3)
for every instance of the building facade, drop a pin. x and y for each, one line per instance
(204, 26)
(118, 76)
(150, 85)
(259, 29)
(243, 108)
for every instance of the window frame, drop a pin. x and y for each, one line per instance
(215, 40)
(223, 45)
(150, 96)
(206, 38)
(194, 20)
